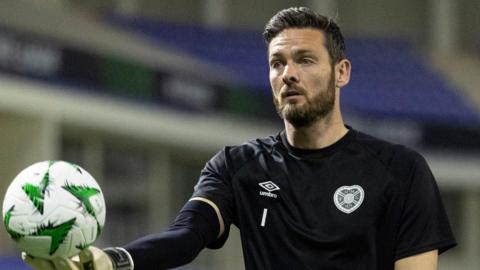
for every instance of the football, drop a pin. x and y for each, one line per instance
(53, 209)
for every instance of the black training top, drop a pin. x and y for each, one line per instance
(361, 203)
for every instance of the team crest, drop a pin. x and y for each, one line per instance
(348, 198)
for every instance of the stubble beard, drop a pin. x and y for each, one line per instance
(313, 110)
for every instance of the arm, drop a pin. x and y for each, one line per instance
(424, 231)
(217, 211)
(422, 261)
(198, 224)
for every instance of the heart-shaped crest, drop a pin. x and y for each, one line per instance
(348, 198)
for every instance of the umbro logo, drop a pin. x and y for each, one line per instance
(269, 186)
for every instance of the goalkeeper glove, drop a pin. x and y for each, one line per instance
(90, 258)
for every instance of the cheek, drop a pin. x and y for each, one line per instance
(272, 75)
(275, 82)
(319, 80)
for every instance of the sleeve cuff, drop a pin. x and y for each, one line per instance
(121, 259)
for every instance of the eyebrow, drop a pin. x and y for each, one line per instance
(297, 52)
(302, 51)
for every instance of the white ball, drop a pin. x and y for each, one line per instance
(54, 209)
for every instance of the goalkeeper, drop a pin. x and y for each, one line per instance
(317, 195)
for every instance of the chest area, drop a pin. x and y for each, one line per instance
(319, 194)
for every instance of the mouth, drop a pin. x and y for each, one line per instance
(291, 93)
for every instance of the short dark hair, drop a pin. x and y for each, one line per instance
(303, 17)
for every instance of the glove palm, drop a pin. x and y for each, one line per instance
(91, 258)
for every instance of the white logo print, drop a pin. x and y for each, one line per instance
(269, 186)
(348, 198)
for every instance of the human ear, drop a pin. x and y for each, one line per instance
(342, 73)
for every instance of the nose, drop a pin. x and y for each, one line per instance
(290, 75)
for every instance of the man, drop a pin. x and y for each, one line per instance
(319, 195)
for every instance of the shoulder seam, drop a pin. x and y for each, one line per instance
(369, 150)
(249, 159)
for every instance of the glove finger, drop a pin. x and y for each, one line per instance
(87, 259)
(86, 255)
(75, 259)
(65, 264)
(37, 263)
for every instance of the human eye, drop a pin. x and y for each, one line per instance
(276, 63)
(307, 60)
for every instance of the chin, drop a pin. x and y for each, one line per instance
(293, 108)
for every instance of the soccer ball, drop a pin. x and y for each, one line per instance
(53, 209)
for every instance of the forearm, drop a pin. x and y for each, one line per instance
(194, 228)
(165, 250)
(423, 261)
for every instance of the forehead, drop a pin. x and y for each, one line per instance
(295, 39)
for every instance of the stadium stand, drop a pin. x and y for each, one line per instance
(389, 80)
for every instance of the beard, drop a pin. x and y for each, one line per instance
(318, 107)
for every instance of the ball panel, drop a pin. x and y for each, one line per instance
(36, 246)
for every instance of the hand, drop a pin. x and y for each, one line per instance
(90, 258)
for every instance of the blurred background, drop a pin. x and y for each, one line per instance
(141, 93)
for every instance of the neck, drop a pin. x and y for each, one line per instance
(319, 134)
